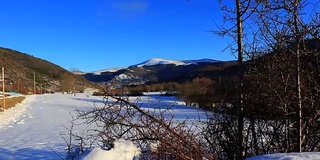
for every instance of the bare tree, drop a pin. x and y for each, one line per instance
(276, 41)
(285, 29)
(236, 17)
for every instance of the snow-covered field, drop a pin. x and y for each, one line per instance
(31, 131)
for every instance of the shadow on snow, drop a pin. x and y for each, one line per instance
(30, 154)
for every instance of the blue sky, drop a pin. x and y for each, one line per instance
(98, 34)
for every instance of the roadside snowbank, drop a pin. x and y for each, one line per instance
(288, 156)
(12, 115)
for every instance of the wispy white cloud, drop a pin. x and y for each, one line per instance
(134, 7)
(127, 10)
(130, 9)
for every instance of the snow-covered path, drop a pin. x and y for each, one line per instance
(35, 133)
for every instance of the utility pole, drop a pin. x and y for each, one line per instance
(3, 90)
(74, 88)
(34, 82)
(45, 88)
(41, 87)
(19, 85)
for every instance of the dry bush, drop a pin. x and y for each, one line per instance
(153, 129)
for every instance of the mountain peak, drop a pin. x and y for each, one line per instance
(157, 70)
(157, 61)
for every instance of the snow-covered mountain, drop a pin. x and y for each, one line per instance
(78, 73)
(205, 60)
(127, 78)
(108, 70)
(161, 61)
(157, 61)
(159, 70)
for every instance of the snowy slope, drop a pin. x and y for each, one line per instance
(157, 61)
(108, 70)
(125, 77)
(99, 71)
(79, 73)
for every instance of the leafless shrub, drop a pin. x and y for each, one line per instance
(153, 128)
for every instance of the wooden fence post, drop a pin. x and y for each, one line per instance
(3, 90)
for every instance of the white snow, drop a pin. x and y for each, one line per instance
(31, 131)
(99, 71)
(131, 79)
(152, 62)
(108, 70)
(78, 73)
(123, 150)
(177, 108)
(288, 156)
(124, 76)
(11, 116)
(156, 61)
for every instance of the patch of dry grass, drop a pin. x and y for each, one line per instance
(11, 102)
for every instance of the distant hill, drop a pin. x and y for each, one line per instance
(162, 70)
(20, 69)
(160, 61)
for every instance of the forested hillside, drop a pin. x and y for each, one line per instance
(21, 69)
